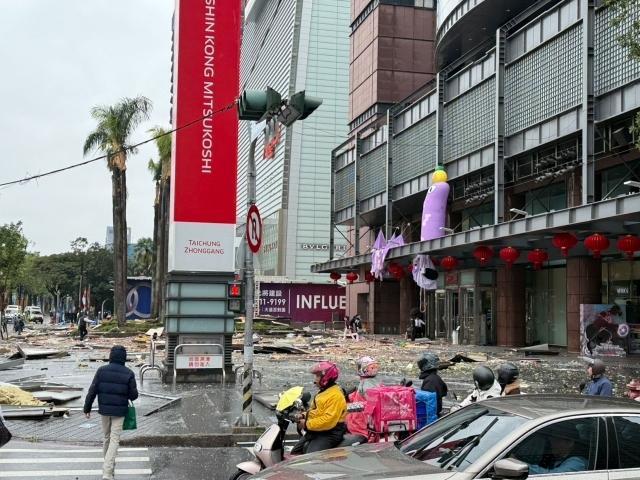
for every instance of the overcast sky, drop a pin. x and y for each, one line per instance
(59, 58)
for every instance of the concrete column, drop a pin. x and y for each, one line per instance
(584, 285)
(511, 311)
(407, 302)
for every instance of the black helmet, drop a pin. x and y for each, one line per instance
(597, 367)
(507, 373)
(428, 362)
(483, 377)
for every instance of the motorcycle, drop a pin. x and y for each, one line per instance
(269, 448)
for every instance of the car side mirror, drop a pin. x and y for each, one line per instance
(510, 468)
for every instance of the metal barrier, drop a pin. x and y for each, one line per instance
(218, 358)
(147, 367)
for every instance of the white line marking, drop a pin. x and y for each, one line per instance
(40, 474)
(62, 451)
(7, 461)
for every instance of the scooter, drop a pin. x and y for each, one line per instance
(269, 448)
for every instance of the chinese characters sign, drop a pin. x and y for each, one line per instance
(302, 302)
(198, 361)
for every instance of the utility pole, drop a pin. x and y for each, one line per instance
(257, 105)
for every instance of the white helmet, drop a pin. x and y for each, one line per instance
(367, 367)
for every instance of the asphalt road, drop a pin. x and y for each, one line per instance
(37, 461)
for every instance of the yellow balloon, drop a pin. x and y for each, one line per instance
(439, 176)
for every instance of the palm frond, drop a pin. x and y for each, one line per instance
(95, 140)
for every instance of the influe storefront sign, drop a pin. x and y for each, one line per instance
(204, 157)
(302, 302)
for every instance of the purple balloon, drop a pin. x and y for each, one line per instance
(434, 211)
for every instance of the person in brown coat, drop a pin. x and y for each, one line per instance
(508, 374)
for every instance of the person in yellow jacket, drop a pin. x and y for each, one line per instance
(324, 422)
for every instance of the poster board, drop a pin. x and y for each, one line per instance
(603, 330)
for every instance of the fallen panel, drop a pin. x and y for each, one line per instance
(37, 353)
(56, 397)
(7, 364)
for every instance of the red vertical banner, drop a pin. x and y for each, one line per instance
(205, 153)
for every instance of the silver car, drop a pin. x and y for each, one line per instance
(545, 436)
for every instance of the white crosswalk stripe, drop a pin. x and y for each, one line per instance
(73, 463)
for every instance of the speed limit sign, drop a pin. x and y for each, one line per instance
(254, 229)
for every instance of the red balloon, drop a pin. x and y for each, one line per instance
(629, 244)
(449, 263)
(538, 257)
(596, 243)
(564, 241)
(483, 254)
(509, 255)
(352, 277)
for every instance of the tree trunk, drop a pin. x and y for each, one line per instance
(163, 242)
(155, 285)
(119, 244)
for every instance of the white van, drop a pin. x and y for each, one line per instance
(12, 312)
(34, 314)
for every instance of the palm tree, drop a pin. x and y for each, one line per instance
(115, 126)
(161, 171)
(143, 257)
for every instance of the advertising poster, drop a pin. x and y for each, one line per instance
(303, 302)
(603, 330)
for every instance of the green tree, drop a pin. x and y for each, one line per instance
(143, 258)
(112, 136)
(628, 37)
(161, 172)
(13, 251)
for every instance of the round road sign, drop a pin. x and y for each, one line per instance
(254, 229)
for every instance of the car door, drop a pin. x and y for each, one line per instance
(624, 461)
(573, 448)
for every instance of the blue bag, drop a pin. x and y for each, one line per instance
(426, 408)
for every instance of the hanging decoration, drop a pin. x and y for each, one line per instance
(368, 277)
(537, 257)
(449, 263)
(396, 240)
(335, 276)
(434, 207)
(352, 277)
(377, 256)
(596, 243)
(398, 273)
(424, 272)
(483, 254)
(509, 255)
(629, 245)
(410, 268)
(564, 241)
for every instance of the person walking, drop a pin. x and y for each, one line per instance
(82, 327)
(599, 385)
(114, 385)
(417, 324)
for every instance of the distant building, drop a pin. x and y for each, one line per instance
(108, 243)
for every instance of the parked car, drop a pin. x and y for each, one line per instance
(510, 437)
(12, 312)
(34, 314)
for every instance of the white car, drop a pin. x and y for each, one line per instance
(541, 436)
(12, 312)
(34, 314)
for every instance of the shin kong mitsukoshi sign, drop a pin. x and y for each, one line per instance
(303, 302)
(204, 161)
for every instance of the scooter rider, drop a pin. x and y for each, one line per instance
(367, 369)
(486, 386)
(599, 385)
(324, 423)
(508, 374)
(431, 381)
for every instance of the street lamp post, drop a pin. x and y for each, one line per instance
(257, 106)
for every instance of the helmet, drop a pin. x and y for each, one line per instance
(597, 367)
(483, 378)
(328, 372)
(507, 373)
(367, 367)
(428, 362)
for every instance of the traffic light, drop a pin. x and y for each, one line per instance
(299, 107)
(235, 298)
(256, 105)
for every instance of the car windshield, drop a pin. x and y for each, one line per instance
(457, 441)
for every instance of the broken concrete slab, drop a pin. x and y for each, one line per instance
(37, 353)
(6, 364)
(56, 397)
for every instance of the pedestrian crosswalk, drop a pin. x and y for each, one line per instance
(65, 463)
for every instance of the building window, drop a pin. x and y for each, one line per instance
(546, 199)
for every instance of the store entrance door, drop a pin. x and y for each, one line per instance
(452, 311)
(467, 316)
(441, 316)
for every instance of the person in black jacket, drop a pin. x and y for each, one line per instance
(431, 381)
(115, 385)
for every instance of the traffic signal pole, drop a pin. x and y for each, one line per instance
(249, 281)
